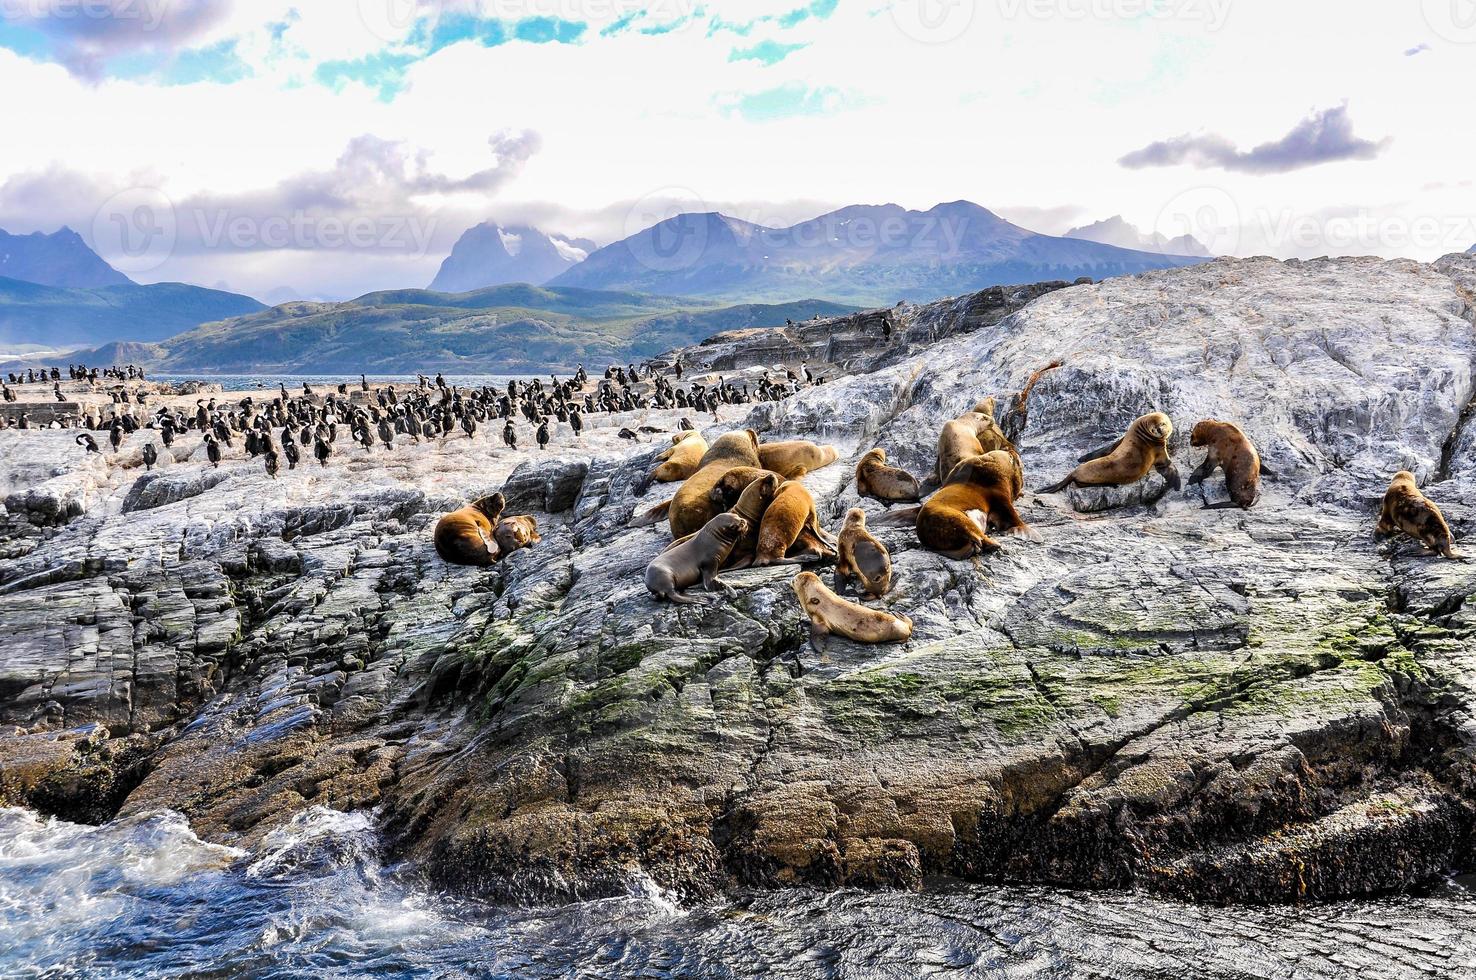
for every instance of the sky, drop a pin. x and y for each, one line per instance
(322, 150)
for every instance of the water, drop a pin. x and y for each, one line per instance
(143, 897)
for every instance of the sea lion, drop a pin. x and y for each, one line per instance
(795, 458)
(989, 483)
(697, 558)
(677, 463)
(862, 559)
(750, 505)
(829, 613)
(790, 532)
(464, 537)
(513, 533)
(973, 433)
(693, 506)
(1230, 448)
(890, 485)
(1406, 509)
(1144, 447)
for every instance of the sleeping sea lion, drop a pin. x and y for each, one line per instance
(790, 532)
(795, 458)
(697, 558)
(1406, 509)
(829, 613)
(465, 536)
(513, 533)
(1144, 447)
(1230, 448)
(890, 485)
(676, 463)
(862, 559)
(988, 484)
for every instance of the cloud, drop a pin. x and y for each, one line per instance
(86, 34)
(1323, 137)
(1417, 49)
(765, 52)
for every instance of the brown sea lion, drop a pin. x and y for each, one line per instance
(513, 533)
(989, 484)
(795, 458)
(790, 532)
(1406, 509)
(698, 558)
(1143, 448)
(676, 463)
(877, 480)
(829, 613)
(862, 559)
(464, 537)
(973, 433)
(1230, 448)
(750, 505)
(693, 507)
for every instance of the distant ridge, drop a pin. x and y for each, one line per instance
(1116, 231)
(492, 255)
(868, 255)
(61, 258)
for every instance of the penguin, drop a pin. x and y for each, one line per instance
(322, 451)
(289, 449)
(576, 422)
(115, 435)
(273, 463)
(83, 439)
(627, 434)
(212, 450)
(469, 425)
(510, 435)
(386, 434)
(150, 456)
(543, 434)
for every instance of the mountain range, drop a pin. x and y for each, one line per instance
(491, 255)
(61, 258)
(512, 328)
(61, 318)
(869, 255)
(1116, 231)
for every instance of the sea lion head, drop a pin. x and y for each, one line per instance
(491, 506)
(728, 527)
(876, 455)
(1403, 478)
(806, 586)
(1203, 432)
(984, 406)
(758, 495)
(855, 517)
(1154, 427)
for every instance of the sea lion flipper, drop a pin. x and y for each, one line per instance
(653, 516)
(907, 515)
(1058, 487)
(1202, 471)
(1171, 474)
(1268, 473)
(1101, 451)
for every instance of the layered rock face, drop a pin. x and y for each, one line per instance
(1217, 704)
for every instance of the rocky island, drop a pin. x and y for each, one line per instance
(1221, 705)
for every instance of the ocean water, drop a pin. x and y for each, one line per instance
(144, 897)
